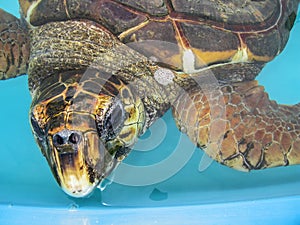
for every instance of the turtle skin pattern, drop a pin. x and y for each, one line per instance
(101, 72)
(237, 125)
(14, 45)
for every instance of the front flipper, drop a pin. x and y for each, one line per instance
(14, 46)
(237, 125)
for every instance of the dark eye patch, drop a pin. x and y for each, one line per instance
(113, 121)
(40, 133)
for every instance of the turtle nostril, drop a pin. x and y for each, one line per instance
(66, 137)
(58, 140)
(74, 138)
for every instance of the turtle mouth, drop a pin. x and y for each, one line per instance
(79, 167)
(75, 176)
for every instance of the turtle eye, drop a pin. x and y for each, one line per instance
(40, 133)
(114, 120)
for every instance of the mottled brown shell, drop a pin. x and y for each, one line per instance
(208, 31)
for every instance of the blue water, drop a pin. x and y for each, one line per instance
(27, 186)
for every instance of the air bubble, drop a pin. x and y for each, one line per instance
(105, 182)
(183, 129)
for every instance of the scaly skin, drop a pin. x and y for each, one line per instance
(14, 46)
(237, 125)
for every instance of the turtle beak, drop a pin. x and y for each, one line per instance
(78, 161)
(73, 179)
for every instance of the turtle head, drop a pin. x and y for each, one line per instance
(85, 127)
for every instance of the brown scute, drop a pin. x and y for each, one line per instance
(119, 18)
(114, 16)
(265, 44)
(56, 11)
(160, 31)
(231, 12)
(110, 88)
(84, 102)
(117, 12)
(54, 92)
(207, 38)
(55, 106)
(80, 121)
(92, 87)
(56, 123)
(273, 40)
(154, 7)
(71, 90)
(120, 15)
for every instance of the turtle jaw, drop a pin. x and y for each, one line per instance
(73, 177)
(79, 168)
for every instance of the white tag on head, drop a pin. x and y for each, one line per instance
(164, 76)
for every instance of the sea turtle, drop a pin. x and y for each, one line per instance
(102, 71)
